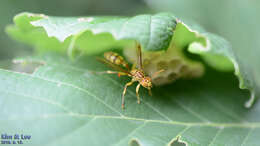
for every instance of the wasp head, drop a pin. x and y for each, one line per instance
(147, 82)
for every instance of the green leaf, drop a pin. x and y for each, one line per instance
(91, 35)
(66, 103)
(153, 32)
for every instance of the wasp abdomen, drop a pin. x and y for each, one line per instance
(115, 59)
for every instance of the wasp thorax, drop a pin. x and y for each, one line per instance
(172, 61)
(138, 74)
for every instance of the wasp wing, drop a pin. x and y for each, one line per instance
(116, 67)
(139, 55)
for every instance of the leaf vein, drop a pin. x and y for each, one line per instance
(42, 100)
(224, 110)
(192, 112)
(118, 84)
(247, 136)
(180, 133)
(131, 133)
(215, 137)
(69, 133)
(67, 84)
(217, 125)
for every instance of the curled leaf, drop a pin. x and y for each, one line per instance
(154, 33)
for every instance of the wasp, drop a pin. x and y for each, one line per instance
(137, 74)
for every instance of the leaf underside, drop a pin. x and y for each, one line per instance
(153, 32)
(66, 103)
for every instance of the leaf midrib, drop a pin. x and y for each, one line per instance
(250, 125)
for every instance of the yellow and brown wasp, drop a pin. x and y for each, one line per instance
(136, 73)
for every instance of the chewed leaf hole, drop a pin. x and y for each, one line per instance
(178, 142)
(25, 66)
(134, 142)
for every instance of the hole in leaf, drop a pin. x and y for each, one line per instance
(134, 142)
(178, 142)
(25, 66)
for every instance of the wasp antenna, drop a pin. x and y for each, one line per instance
(139, 55)
(157, 73)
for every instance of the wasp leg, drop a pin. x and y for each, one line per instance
(113, 72)
(133, 66)
(157, 73)
(137, 94)
(123, 96)
(150, 92)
